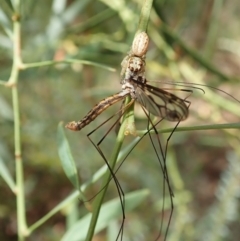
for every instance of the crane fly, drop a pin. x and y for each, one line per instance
(153, 100)
(164, 104)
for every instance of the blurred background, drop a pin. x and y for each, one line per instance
(192, 41)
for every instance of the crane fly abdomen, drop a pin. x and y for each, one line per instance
(96, 111)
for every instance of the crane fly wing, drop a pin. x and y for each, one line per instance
(149, 104)
(177, 108)
(162, 103)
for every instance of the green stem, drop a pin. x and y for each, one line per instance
(54, 62)
(108, 176)
(21, 212)
(196, 128)
(145, 15)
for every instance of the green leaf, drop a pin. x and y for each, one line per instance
(66, 157)
(110, 211)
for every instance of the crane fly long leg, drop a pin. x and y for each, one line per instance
(175, 114)
(113, 176)
(162, 161)
(161, 154)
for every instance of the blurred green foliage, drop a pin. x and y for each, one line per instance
(194, 41)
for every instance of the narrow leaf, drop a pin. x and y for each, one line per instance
(66, 157)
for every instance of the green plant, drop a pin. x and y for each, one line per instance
(49, 55)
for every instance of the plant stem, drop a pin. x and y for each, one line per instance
(196, 128)
(21, 212)
(75, 61)
(145, 15)
(22, 227)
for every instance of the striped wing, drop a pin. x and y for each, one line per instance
(162, 103)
